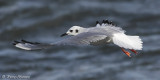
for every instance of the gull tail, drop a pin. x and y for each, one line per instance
(128, 42)
(26, 45)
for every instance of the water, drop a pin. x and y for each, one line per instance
(46, 20)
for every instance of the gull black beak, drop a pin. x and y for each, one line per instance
(64, 34)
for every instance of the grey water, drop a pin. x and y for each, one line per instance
(46, 20)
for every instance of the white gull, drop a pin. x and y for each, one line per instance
(100, 34)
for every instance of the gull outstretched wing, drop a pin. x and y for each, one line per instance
(81, 39)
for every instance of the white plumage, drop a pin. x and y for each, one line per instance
(127, 42)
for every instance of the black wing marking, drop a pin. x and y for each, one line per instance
(24, 41)
(105, 22)
(27, 45)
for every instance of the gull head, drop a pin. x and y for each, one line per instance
(74, 30)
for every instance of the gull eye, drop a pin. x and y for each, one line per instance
(71, 30)
(76, 31)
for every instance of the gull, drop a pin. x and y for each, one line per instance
(101, 34)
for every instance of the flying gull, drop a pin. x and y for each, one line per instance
(103, 33)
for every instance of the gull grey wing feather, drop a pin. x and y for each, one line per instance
(82, 39)
(106, 30)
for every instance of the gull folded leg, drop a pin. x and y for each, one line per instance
(134, 51)
(126, 52)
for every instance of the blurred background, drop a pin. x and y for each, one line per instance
(46, 20)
